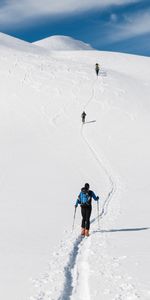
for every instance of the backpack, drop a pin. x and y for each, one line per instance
(97, 67)
(84, 197)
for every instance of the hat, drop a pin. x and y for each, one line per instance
(87, 186)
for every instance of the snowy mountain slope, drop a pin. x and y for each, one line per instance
(112, 267)
(60, 42)
(46, 156)
(18, 45)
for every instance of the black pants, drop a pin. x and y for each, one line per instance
(83, 119)
(86, 213)
(97, 71)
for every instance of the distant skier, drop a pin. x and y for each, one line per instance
(97, 69)
(85, 201)
(83, 117)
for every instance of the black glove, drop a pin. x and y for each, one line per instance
(97, 198)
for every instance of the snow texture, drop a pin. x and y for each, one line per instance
(62, 43)
(47, 155)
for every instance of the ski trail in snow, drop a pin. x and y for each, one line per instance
(81, 270)
(57, 282)
(68, 284)
(71, 264)
(81, 273)
(112, 184)
(101, 165)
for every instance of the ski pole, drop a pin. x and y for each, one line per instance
(74, 218)
(98, 214)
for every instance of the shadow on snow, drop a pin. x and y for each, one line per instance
(90, 122)
(102, 73)
(122, 230)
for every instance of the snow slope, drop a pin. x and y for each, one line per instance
(46, 155)
(60, 43)
(12, 43)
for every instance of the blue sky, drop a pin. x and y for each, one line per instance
(113, 25)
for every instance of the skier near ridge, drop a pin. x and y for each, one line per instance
(85, 201)
(83, 117)
(97, 68)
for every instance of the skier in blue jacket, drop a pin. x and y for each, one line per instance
(85, 201)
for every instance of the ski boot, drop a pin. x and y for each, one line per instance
(87, 232)
(82, 232)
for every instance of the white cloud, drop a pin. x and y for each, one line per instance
(113, 18)
(132, 26)
(18, 11)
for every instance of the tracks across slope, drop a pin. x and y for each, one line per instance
(68, 274)
(81, 268)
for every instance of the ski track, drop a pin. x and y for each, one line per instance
(68, 284)
(81, 273)
(75, 267)
(100, 162)
(81, 289)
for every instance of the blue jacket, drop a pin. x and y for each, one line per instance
(91, 195)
